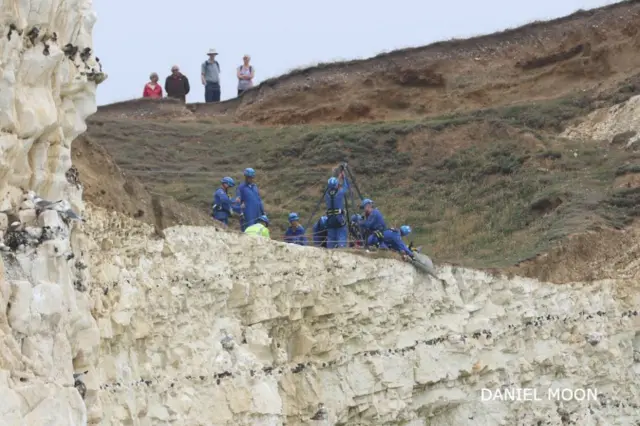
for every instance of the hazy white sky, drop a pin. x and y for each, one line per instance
(132, 38)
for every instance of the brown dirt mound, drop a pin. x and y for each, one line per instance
(417, 78)
(585, 51)
(106, 186)
(552, 58)
(145, 108)
(595, 255)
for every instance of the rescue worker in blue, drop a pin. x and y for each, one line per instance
(336, 222)
(295, 232)
(320, 232)
(222, 204)
(392, 239)
(248, 197)
(372, 225)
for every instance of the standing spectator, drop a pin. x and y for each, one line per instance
(152, 89)
(210, 76)
(245, 75)
(177, 84)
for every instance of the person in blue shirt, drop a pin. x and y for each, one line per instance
(320, 232)
(373, 223)
(336, 222)
(392, 239)
(222, 207)
(248, 198)
(295, 232)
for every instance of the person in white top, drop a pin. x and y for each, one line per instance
(245, 75)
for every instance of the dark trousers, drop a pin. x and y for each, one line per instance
(212, 92)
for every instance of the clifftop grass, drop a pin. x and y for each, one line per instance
(487, 189)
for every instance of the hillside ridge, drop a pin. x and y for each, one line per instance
(563, 38)
(451, 46)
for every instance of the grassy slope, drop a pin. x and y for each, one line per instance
(488, 189)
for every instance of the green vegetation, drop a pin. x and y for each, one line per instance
(487, 189)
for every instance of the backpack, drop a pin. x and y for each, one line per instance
(207, 63)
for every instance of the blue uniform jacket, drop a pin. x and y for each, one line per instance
(253, 208)
(319, 234)
(222, 204)
(393, 240)
(295, 236)
(375, 222)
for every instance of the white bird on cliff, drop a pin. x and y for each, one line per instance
(321, 414)
(61, 206)
(79, 383)
(64, 208)
(40, 203)
(227, 341)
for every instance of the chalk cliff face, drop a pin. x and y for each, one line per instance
(375, 341)
(48, 77)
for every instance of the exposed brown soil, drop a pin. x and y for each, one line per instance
(589, 50)
(601, 254)
(107, 186)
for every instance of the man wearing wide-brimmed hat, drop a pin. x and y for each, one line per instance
(210, 76)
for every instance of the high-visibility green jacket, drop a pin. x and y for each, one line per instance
(258, 229)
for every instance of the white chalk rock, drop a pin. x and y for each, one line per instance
(27, 205)
(52, 219)
(28, 217)
(47, 300)
(20, 317)
(45, 98)
(378, 343)
(4, 221)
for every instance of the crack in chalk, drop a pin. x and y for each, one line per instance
(296, 368)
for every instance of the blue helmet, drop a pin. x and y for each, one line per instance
(405, 230)
(249, 172)
(365, 202)
(333, 182)
(293, 217)
(229, 181)
(264, 219)
(356, 218)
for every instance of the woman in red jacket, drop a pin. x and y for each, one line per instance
(152, 89)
